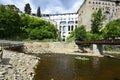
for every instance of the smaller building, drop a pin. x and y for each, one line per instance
(65, 23)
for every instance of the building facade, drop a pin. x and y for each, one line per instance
(110, 8)
(65, 23)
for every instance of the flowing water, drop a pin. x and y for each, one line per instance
(66, 67)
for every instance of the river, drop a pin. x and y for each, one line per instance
(66, 67)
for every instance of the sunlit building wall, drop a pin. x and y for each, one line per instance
(65, 23)
(110, 8)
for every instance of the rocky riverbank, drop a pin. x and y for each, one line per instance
(20, 66)
(17, 66)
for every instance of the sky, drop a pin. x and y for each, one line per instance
(47, 6)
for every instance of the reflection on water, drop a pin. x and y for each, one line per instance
(96, 62)
(66, 67)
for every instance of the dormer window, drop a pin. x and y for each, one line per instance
(89, 2)
(112, 4)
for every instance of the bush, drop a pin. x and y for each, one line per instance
(38, 29)
(71, 37)
(80, 33)
(112, 30)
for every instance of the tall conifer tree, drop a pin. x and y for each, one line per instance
(38, 12)
(27, 9)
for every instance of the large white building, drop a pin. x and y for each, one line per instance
(65, 23)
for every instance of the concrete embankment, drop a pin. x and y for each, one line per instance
(49, 47)
(55, 47)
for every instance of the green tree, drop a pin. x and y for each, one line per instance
(2, 21)
(13, 7)
(80, 33)
(38, 12)
(23, 26)
(10, 26)
(112, 30)
(37, 29)
(71, 37)
(97, 21)
(27, 9)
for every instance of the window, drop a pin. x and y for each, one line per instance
(112, 4)
(60, 28)
(75, 26)
(63, 22)
(72, 28)
(63, 39)
(113, 10)
(60, 32)
(96, 8)
(68, 28)
(103, 8)
(64, 28)
(76, 22)
(71, 22)
(89, 2)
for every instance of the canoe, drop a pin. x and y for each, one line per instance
(82, 58)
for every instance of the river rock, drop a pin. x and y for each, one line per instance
(16, 66)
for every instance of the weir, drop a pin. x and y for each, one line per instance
(12, 45)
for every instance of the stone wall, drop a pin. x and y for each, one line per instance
(49, 47)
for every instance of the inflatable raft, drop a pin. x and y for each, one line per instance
(82, 58)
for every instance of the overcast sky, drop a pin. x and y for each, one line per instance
(47, 6)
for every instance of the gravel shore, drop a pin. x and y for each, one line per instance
(17, 66)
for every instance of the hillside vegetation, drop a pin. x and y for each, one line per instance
(19, 26)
